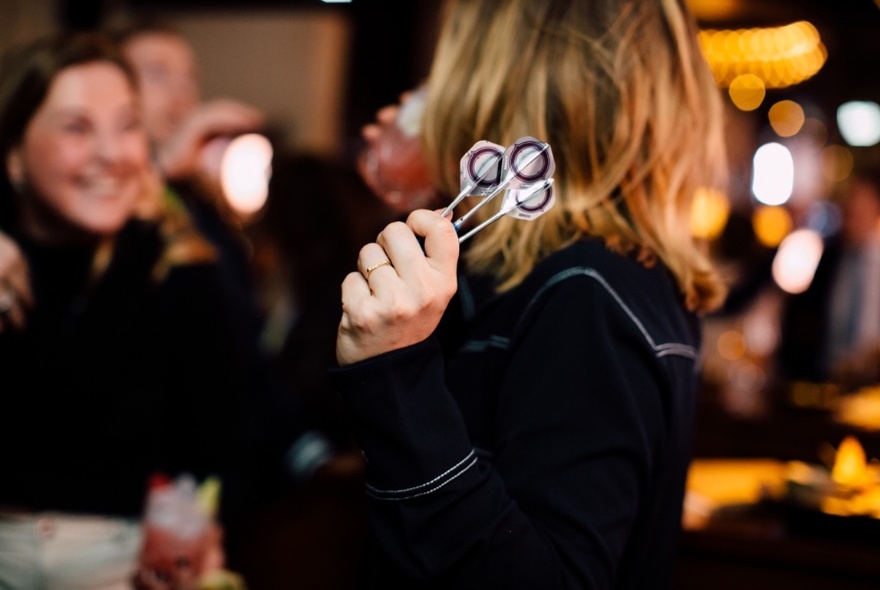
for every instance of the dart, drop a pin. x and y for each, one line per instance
(525, 163)
(522, 204)
(480, 171)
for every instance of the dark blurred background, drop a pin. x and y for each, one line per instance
(360, 55)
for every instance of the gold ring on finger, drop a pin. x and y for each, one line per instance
(375, 266)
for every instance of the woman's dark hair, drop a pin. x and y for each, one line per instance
(123, 29)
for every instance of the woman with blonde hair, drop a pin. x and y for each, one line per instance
(540, 436)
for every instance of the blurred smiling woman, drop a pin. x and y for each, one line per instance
(129, 358)
(83, 155)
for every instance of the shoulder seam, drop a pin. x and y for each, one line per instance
(661, 350)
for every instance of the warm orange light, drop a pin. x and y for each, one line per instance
(714, 9)
(771, 224)
(747, 92)
(857, 483)
(786, 118)
(780, 56)
(850, 466)
(709, 213)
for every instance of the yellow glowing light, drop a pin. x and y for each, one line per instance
(747, 92)
(771, 224)
(856, 482)
(713, 9)
(732, 345)
(709, 214)
(860, 409)
(786, 118)
(837, 162)
(780, 56)
(850, 464)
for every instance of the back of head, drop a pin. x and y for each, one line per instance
(620, 91)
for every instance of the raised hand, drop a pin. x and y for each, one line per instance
(401, 291)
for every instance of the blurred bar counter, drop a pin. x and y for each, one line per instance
(741, 527)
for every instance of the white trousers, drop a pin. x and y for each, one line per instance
(53, 551)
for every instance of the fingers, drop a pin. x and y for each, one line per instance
(441, 240)
(385, 117)
(178, 157)
(399, 294)
(399, 244)
(371, 268)
(374, 259)
(387, 114)
(371, 132)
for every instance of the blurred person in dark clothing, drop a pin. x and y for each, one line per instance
(131, 361)
(831, 331)
(135, 357)
(187, 137)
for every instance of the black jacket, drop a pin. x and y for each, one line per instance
(541, 440)
(115, 380)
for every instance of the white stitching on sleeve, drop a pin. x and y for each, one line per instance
(441, 480)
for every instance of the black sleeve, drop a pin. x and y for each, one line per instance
(578, 418)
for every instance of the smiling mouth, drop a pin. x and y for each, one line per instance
(102, 187)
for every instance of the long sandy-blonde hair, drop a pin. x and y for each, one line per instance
(620, 91)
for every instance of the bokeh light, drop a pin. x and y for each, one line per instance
(245, 172)
(786, 118)
(772, 174)
(747, 92)
(794, 265)
(771, 225)
(823, 217)
(779, 56)
(859, 122)
(709, 213)
(837, 163)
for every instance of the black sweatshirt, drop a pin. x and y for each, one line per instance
(112, 382)
(540, 439)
